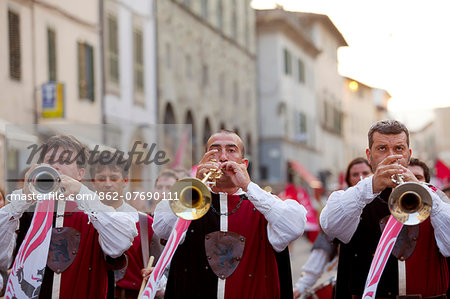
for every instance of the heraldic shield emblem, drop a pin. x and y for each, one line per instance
(64, 246)
(224, 250)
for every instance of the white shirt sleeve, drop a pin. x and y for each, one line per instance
(286, 219)
(440, 220)
(312, 270)
(9, 223)
(164, 220)
(116, 230)
(341, 215)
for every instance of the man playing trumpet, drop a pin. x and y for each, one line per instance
(231, 251)
(356, 217)
(89, 239)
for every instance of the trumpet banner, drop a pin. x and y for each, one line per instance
(382, 253)
(28, 270)
(166, 256)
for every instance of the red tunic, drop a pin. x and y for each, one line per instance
(257, 273)
(133, 277)
(256, 276)
(87, 276)
(426, 270)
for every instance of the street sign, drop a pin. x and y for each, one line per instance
(52, 100)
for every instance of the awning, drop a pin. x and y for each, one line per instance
(304, 173)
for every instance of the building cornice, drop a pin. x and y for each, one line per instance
(279, 20)
(67, 15)
(309, 18)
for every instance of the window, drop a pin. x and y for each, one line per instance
(301, 134)
(246, 24)
(235, 92)
(51, 51)
(248, 154)
(138, 59)
(338, 117)
(287, 62)
(193, 138)
(205, 9)
(301, 71)
(222, 84)
(325, 112)
(168, 56)
(302, 122)
(234, 20)
(220, 14)
(14, 45)
(113, 49)
(207, 131)
(248, 99)
(264, 172)
(204, 76)
(86, 71)
(188, 66)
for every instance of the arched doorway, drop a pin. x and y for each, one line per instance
(193, 138)
(206, 131)
(169, 136)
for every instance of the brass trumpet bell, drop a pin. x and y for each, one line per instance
(194, 199)
(410, 203)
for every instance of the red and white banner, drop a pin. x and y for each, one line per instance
(384, 249)
(166, 256)
(27, 272)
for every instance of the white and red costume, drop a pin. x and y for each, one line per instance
(104, 234)
(268, 225)
(354, 215)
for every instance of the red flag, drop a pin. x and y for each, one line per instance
(301, 196)
(442, 171)
(179, 155)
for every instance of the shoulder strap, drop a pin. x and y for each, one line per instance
(143, 228)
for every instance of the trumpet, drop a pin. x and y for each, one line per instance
(409, 203)
(194, 196)
(44, 179)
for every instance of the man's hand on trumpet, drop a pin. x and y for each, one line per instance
(382, 177)
(207, 163)
(238, 174)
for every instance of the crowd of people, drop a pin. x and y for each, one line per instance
(101, 247)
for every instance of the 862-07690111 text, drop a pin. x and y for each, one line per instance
(138, 195)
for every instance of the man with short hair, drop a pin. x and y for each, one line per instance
(109, 180)
(163, 183)
(420, 170)
(354, 216)
(91, 240)
(231, 251)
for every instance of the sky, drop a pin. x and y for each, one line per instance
(401, 46)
